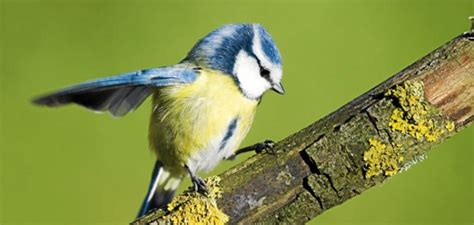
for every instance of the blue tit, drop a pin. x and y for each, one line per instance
(202, 107)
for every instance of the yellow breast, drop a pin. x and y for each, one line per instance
(190, 121)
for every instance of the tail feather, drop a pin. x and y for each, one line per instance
(161, 190)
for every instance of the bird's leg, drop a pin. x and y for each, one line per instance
(199, 184)
(266, 146)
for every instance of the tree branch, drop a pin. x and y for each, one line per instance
(362, 144)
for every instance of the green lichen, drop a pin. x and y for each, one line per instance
(285, 176)
(381, 159)
(194, 208)
(414, 116)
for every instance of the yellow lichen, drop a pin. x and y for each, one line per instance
(450, 126)
(195, 208)
(413, 115)
(381, 158)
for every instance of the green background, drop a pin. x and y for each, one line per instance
(70, 166)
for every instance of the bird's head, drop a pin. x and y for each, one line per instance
(244, 51)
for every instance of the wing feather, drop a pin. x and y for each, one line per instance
(122, 93)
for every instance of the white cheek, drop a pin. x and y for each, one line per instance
(248, 74)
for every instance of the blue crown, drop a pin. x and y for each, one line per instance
(218, 50)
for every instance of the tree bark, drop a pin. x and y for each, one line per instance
(362, 144)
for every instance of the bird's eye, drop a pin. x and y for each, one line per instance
(264, 73)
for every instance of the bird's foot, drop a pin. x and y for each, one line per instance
(266, 146)
(199, 185)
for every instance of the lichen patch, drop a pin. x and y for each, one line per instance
(381, 159)
(414, 114)
(195, 208)
(285, 176)
(450, 126)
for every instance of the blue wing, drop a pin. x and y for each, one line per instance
(119, 94)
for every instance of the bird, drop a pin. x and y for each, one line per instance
(202, 107)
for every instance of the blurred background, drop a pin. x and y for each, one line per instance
(71, 166)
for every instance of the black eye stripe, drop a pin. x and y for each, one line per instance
(265, 73)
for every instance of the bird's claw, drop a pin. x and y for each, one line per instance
(200, 186)
(266, 146)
